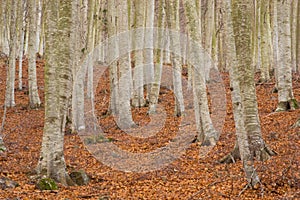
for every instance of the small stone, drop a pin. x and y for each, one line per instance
(7, 183)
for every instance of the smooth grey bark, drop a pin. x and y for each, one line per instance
(172, 10)
(137, 41)
(90, 47)
(112, 50)
(10, 80)
(154, 93)
(22, 25)
(274, 20)
(293, 21)
(148, 40)
(78, 68)
(286, 100)
(125, 81)
(206, 131)
(34, 100)
(265, 40)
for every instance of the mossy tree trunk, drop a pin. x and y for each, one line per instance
(58, 74)
(251, 144)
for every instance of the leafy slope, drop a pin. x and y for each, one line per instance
(189, 177)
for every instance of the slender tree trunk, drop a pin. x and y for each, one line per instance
(112, 53)
(154, 93)
(275, 39)
(231, 59)
(90, 47)
(207, 133)
(286, 100)
(138, 41)
(173, 24)
(4, 41)
(208, 25)
(22, 25)
(10, 82)
(34, 100)
(125, 116)
(265, 40)
(148, 52)
(293, 21)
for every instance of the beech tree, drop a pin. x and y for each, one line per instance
(10, 80)
(138, 8)
(34, 100)
(286, 100)
(113, 51)
(207, 133)
(265, 45)
(57, 91)
(250, 142)
(172, 10)
(154, 93)
(125, 81)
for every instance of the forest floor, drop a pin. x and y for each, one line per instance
(188, 177)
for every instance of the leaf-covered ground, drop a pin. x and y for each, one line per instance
(189, 177)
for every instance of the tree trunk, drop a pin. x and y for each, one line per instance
(286, 100)
(22, 25)
(293, 22)
(10, 81)
(265, 44)
(125, 116)
(148, 52)
(57, 91)
(34, 100)
(173, 24)
(208, 26)
(112, 54)
(251, 143)
(138, 41)
(206, 131)
(154, 93)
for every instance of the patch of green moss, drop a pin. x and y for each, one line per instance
(47, 184)
(294, 104)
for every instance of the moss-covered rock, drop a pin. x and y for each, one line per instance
(79, 177)
(47, 184)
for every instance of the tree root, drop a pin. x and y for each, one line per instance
(232, 157)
